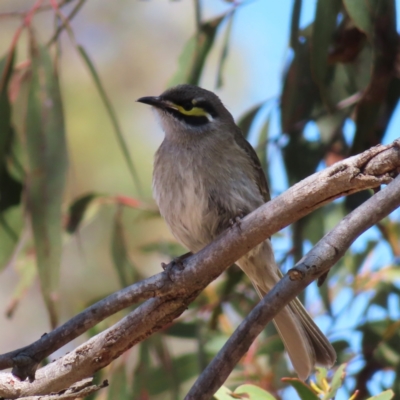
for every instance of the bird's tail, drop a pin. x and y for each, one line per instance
(303, 340)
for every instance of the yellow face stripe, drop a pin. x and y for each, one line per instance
(194, 112)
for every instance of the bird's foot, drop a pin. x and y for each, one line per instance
(237, 221)
(177, 262)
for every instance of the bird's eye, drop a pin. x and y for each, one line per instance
(187, 106)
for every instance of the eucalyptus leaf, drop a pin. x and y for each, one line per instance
(47, 154)
(303, 390)
(386, 395)
(194, 55)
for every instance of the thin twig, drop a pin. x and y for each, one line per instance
(23, 14)
(66, 21)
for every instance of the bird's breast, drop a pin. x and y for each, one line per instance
(182, 198)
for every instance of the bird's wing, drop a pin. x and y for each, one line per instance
(259, 173)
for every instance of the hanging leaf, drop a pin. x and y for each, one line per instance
(11, 224)
(77, 211)
(10, 188)
(194, 55)
(154, 380)
(142, 382)
(301, 158)
(300, 93)
(161, 349)
(11, 214)
(126, 270)
(224, 52)
(262, 145)
(363, 14)
(377, 20)
(321, 40)
(295, 24)
(47, 154)
(5, 108)
(119, 388)
(27, 275)
(247, 119)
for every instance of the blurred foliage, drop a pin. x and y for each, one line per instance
(341, 67)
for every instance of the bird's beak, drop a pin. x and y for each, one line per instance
(154, 101)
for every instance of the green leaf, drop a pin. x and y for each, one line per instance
(386, 395)
(215, 344)
(382, 292)
(187, 330)
(247, 391)
(113, 117)
(47, 154)
(252, 392)
(378, 20)
(363, 14)
(246, 120)
(301, 158)
(77, 211)
(223, 393)
(11, 224)
(262, 145)
(156, 381)
(194, 55)
(336, 382)
(300, 93)
(126, 270)
(27, 273)
(5, 108)
(294, 25)
(10, 188)
(356, 260)
(224, 52)
(303, 390)
(161, 348)
(321, 40)
(142, 382)
(118, 388)
(320, 375)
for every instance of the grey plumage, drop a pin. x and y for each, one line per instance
(205, 175)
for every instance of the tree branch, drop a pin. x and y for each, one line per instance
(318, 261)
(367, 170)
(77, 391)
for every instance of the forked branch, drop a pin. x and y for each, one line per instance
(168, 296)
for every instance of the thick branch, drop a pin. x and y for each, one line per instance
(317, 262)
(348, 176)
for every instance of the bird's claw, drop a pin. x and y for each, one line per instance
(237, 221)
(176, 262)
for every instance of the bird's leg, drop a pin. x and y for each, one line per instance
(176, 262)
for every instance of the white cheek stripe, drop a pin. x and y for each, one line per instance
(209, 117)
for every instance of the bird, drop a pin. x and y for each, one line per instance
(206, 175)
